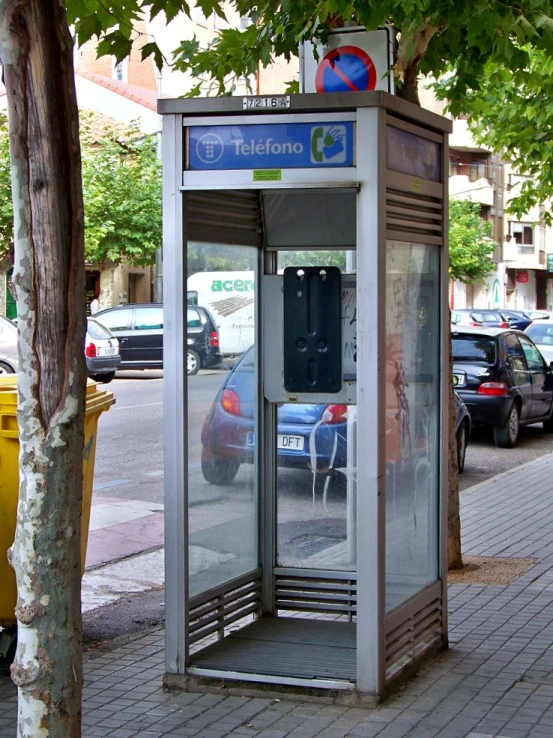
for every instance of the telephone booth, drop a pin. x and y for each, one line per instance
(306, 479)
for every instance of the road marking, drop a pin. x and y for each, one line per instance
(115, 483)
(131, 407)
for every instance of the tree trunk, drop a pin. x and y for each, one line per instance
(454, 559)
(411, 49)
(107, 284)
(37, 54)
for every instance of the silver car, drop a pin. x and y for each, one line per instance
(8, 346)
(541, 332)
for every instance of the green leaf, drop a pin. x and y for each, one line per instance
(87, 28)
(152, 49)
(115, 44)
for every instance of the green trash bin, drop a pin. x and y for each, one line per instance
(97, 401)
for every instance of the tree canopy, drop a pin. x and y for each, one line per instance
(121, 191)
(6, 207)
(432, 36)
(470, 243)
(511, 113)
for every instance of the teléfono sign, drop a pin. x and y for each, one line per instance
(276, 146)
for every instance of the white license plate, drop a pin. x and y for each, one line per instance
(106, 351)
(294, 443)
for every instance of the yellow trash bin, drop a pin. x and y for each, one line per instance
(97, 401)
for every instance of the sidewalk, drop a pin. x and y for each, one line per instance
(496, 680)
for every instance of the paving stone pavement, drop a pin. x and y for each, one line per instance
(495, 681)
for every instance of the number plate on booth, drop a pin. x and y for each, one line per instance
(458, 380)
(275, 102)
(107, 351)
(295, 443)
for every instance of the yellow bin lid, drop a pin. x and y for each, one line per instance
(97, 399)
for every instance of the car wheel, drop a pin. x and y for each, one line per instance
(193, 362)
(506, 435)
(219, 470)
(462, 439)
(5, 369)
(548, 425)
(104, 378)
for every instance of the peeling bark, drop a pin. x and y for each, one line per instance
(411, 49)
(49, 277)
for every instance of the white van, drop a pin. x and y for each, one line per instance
(230, 298)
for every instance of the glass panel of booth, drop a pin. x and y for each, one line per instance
(316, 451)
(412, 418)
(222, 415)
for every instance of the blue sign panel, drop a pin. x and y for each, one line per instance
(346, 69)
(271, 146)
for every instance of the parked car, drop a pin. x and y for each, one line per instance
(516, 318)
(503, 379)
(310, 437)
(477, 318)
(203, 340)
(539, 314)
(101, 352)
(139, 329)
(541, 332)
(463, 425)
(8, 346)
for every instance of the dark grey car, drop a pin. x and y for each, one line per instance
(503, 380)
(139, 328)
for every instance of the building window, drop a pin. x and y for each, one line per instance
(120, 71)
(478, 169)
(523, 235)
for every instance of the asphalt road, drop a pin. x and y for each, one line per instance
(129, 453)
(129, 447)
(485, 460)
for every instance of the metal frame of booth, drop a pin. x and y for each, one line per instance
(374, 647)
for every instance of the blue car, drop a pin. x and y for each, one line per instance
(517, 319)
(311, 437)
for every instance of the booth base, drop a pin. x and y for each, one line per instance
(293, 656)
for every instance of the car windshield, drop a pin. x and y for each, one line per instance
(97, 330)
(474, 348)
(541, 333)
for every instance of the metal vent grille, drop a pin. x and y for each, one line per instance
(411, 638)
(413, 215)
(222, 216)
(317, 592)
(216, 610)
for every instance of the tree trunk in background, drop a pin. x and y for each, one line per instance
(107, 283)
(37, 54)
(454, 558)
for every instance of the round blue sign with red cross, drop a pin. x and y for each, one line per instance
(346, 69)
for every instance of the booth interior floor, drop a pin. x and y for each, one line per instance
(289, 647)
